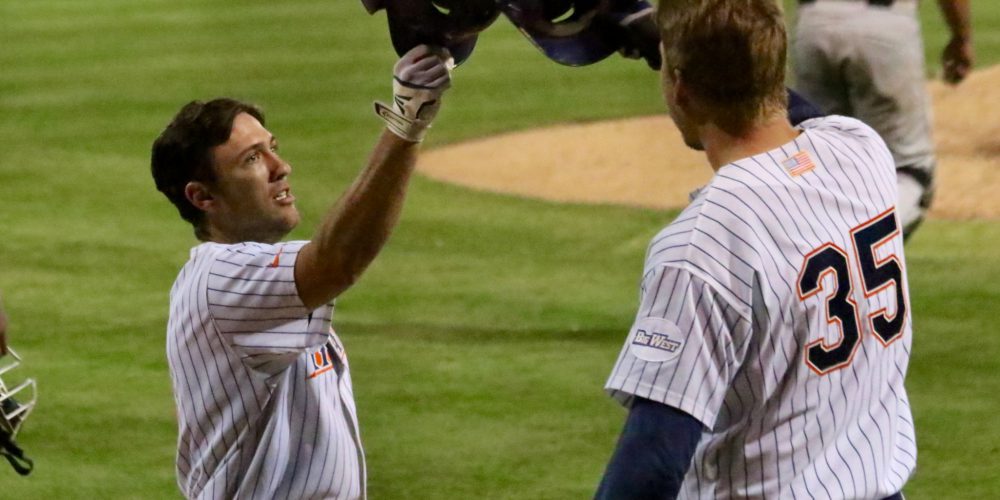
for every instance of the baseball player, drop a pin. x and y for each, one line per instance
(261, 381)
(772, 338)
(865, 58)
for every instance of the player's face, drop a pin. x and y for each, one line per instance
(252, 200)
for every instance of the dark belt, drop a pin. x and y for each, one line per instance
(884, 3)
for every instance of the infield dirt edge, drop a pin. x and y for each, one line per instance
(642, 161)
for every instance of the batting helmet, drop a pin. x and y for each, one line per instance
(581, 32)
(454, 24)
(13, 412)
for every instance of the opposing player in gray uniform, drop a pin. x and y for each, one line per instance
(768, 354)
(865, 58)
(261, 381)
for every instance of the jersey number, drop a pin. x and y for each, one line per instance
(876, 276)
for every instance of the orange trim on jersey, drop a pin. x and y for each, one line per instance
(868, 294)
(277, 258)
(829, 320)
(320, 371)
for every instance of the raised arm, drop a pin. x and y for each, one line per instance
(958, 55)
(357, 226)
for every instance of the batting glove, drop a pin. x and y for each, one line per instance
(420, 77)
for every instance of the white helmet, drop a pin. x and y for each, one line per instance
(14, 410)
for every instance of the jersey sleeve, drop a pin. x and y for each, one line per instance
(256, 308)
(684, 347)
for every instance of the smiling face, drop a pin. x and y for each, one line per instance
(250, 199)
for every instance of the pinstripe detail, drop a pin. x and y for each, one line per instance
(257, 417)
(724, 273)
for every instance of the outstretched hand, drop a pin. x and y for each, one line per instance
(425, 67)
(637, 33)
(420, 78)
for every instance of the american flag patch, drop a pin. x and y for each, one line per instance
(798, 164)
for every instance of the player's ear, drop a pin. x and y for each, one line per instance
(680, 93)
(686, 100)
(198, 194)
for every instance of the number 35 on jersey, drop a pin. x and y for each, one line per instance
(831, 272)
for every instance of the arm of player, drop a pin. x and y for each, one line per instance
(958, 55)
(356, 228)
(653, 453)
(800, 109)
(358, 225)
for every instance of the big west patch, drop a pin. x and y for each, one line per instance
(655, 340)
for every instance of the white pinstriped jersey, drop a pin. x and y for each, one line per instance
(774, 310)
(262, 385)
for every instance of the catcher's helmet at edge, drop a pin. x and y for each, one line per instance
(453, 24)
(13, 412)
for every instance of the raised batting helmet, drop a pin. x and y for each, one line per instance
(581, 32)
(454, 24)
(13, 412)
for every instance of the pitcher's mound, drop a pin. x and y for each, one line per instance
(642, 161)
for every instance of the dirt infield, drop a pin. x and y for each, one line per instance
(642, 161)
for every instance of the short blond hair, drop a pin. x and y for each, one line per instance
(730, 53)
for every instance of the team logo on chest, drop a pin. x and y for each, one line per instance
(326, 358)
(656, 340)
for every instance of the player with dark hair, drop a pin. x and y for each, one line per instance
(261, 381)
(865, 58)
(769, 351)
(183, 155)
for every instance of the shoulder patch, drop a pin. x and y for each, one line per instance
(655, 340)
(798, 164)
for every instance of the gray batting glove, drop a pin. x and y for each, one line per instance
(419, 79)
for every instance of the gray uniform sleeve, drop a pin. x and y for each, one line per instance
(683, 348)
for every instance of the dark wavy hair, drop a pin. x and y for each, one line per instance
(183, 151)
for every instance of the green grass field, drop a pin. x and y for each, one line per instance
(481, 337)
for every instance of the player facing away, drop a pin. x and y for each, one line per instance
(768, 354)
(260, 379)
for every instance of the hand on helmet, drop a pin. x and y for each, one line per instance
(637, 33)
(420, 77)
